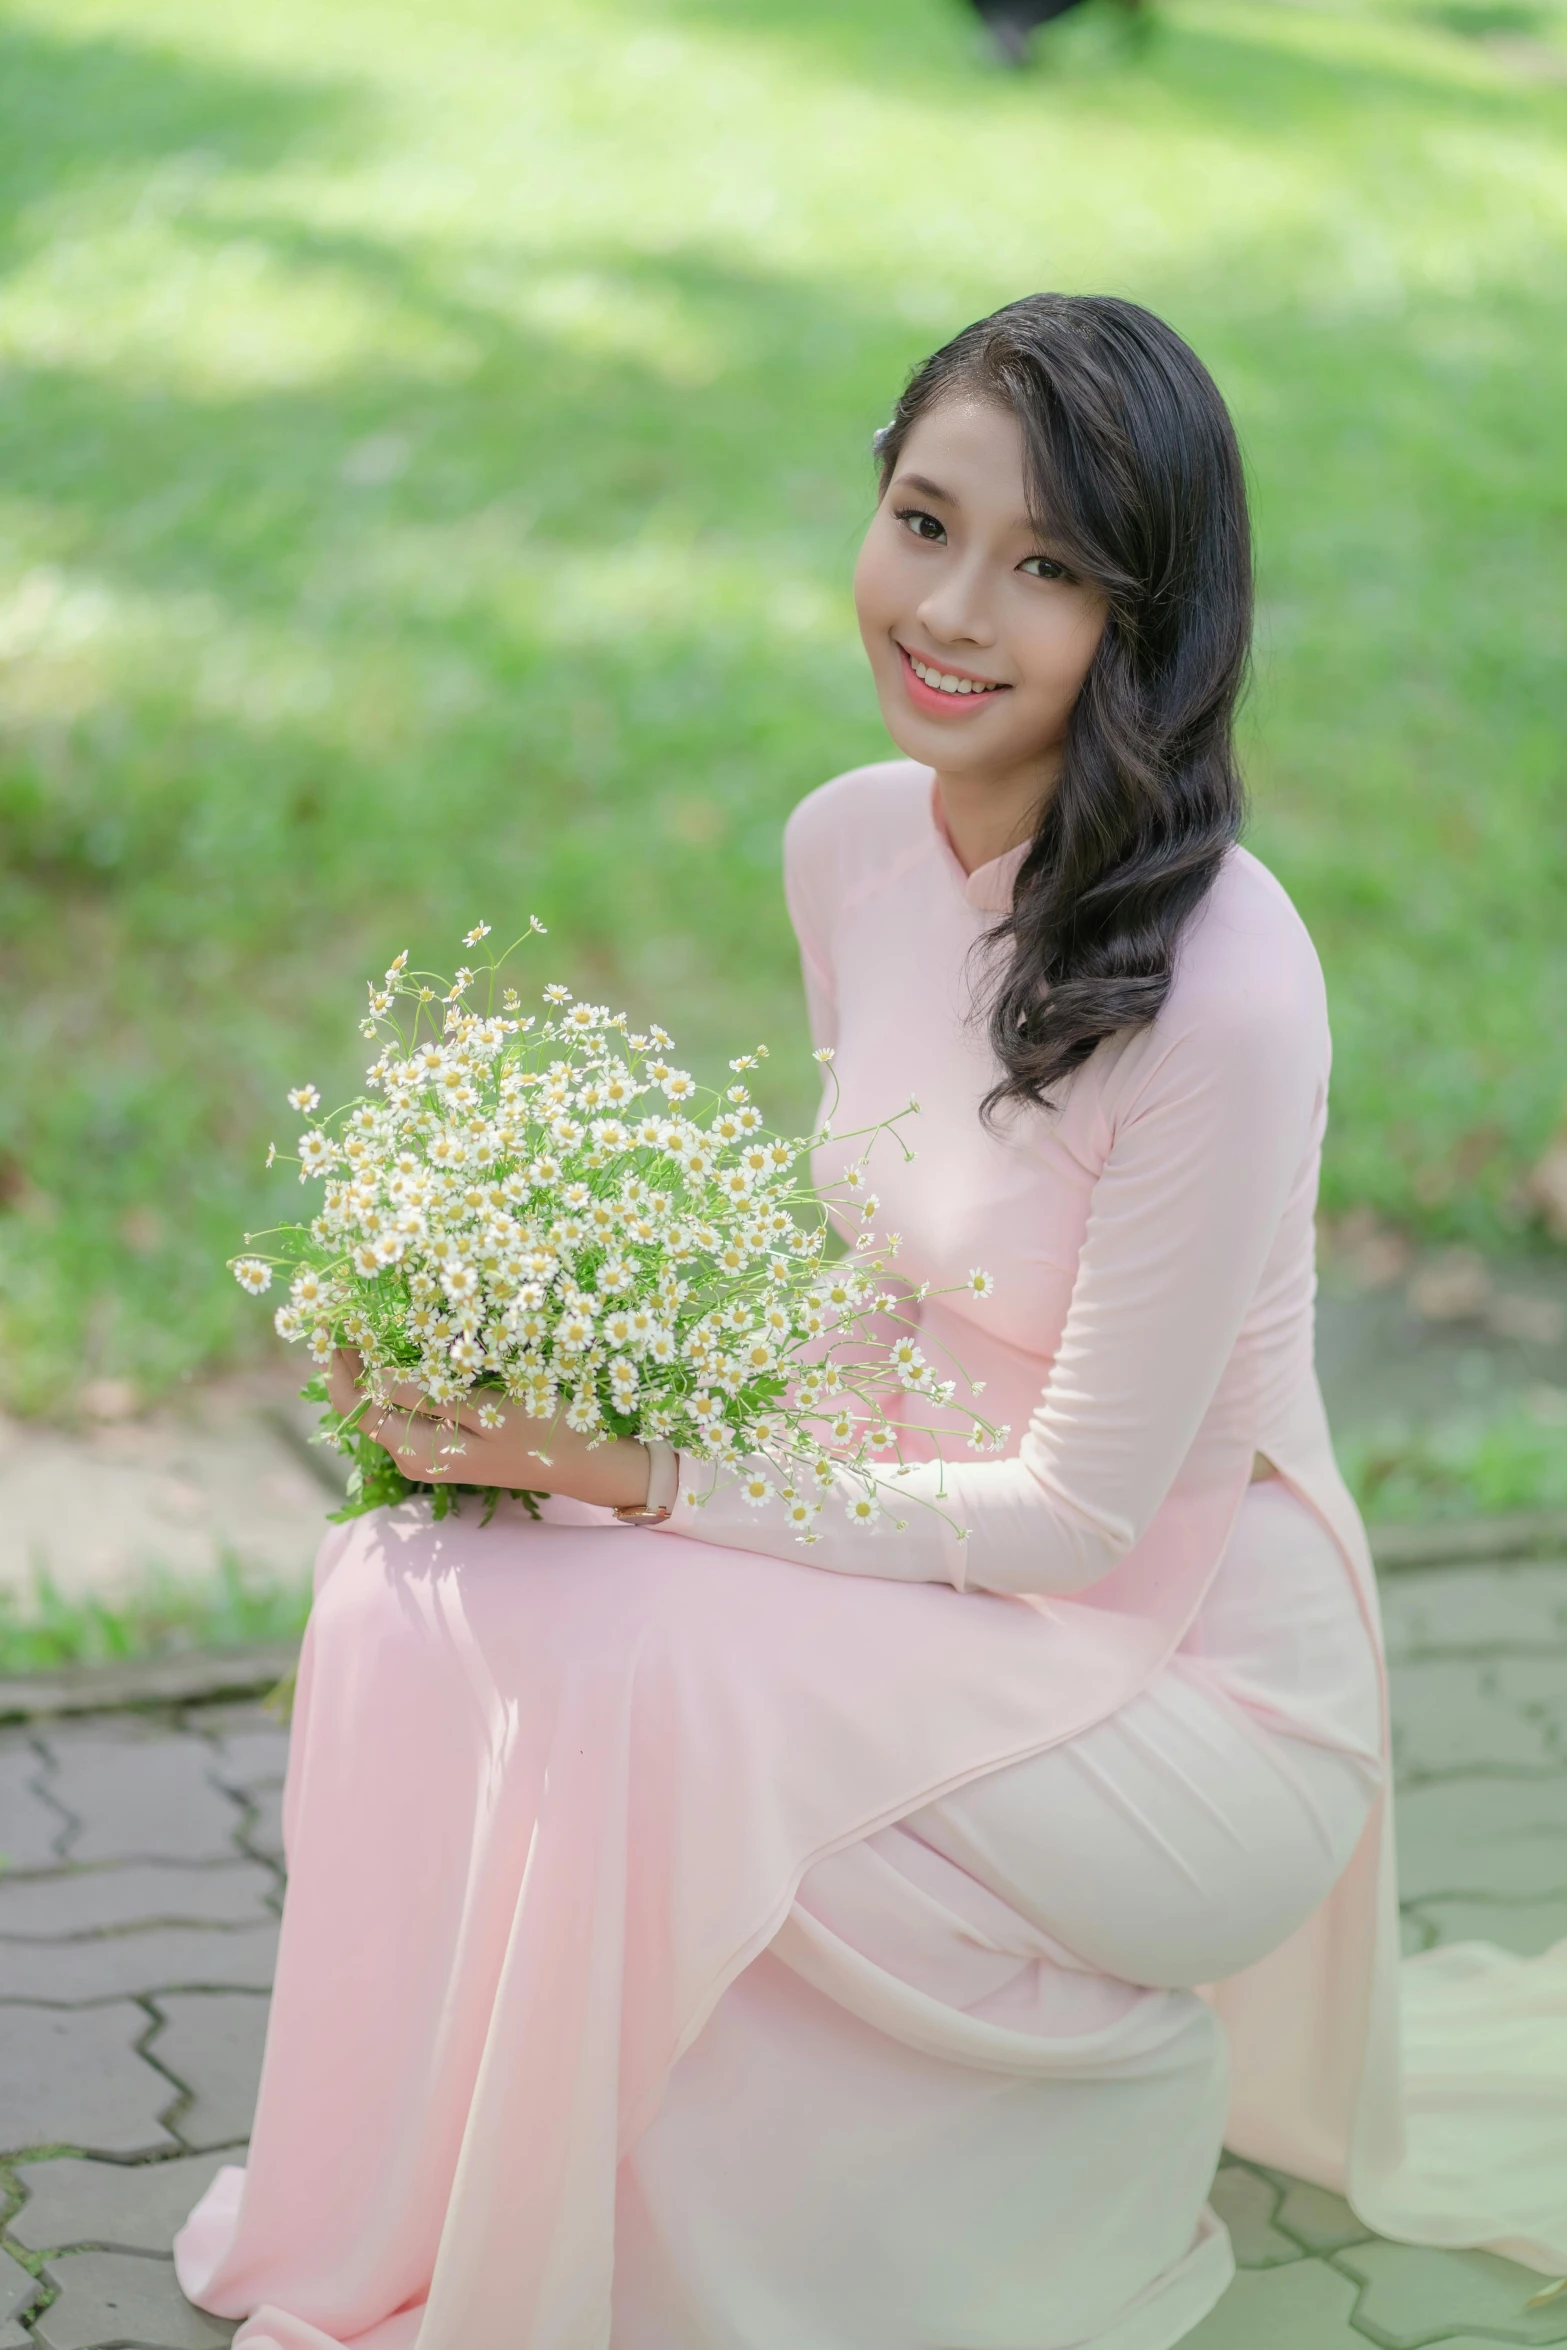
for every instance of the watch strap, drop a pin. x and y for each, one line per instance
(663, 1484)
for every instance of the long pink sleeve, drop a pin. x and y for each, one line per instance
(1193, 1144)
(1218, 1128)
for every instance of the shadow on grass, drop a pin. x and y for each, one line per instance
(75, 111)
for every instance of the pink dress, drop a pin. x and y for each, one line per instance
(691, 1938)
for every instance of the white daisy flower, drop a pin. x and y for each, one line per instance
(253, 1275)
(472, 937)
(304, 1097)
(757, 1489)
(981, 1283)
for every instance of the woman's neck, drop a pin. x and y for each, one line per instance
(986, 815)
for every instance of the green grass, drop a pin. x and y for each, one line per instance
(436, 446)
(1477, 1466)
(158, 1615)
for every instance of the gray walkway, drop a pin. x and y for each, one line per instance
(138, 1921)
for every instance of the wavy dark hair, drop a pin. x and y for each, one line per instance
(1135, 477)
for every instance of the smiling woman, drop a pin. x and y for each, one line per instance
(1063, 526)
(691, 1939)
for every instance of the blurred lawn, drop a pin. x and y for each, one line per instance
(435, 449)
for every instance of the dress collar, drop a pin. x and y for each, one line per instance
(988, 889)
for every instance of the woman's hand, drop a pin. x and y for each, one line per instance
(439, 1445)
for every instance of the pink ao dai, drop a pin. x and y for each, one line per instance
(691, 1938)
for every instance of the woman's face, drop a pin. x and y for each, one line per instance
(979, 636)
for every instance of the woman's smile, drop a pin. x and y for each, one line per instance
(942, 690)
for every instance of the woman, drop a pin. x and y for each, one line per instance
(694, 1940)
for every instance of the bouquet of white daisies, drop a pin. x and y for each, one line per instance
(543, 1207)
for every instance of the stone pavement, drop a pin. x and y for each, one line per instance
(138, 1921)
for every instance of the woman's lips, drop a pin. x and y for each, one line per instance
(944, 702)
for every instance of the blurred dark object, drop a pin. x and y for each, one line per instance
(1012, 24)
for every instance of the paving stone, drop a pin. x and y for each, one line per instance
(124, 2206)
(263, 1832)
(147, 1798)
(15, 2337)
(30, 1827)
(1245, 2201)
(235, 1717)
(114, 2297)
(252, 1756)
(1449, 1715)
(1413, 2296)
(159, 1958)
(1464, 1610)
(226, 1893)
(72, 2077)
(1536, 1684)
(18, 2290)
(1323, 2222)
(1482, 1836)
(1525, 1926)
(211, 2042)
(1303, 2307)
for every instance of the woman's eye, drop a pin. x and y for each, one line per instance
(1044, 567)
(923, 525)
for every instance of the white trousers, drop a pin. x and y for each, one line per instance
(826, 2174)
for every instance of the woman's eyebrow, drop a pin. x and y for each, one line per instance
(926, 487)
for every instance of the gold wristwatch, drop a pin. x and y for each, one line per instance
(663, 1483)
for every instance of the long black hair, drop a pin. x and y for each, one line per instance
(1135, 476)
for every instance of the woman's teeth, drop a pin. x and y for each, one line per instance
(943, 684)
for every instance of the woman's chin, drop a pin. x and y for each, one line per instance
(931, 743)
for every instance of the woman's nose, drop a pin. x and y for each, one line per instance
(955, 610)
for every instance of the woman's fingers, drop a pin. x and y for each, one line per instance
(342, 1381)
(406, 1396)
(422, 1447)
(432, 1443)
